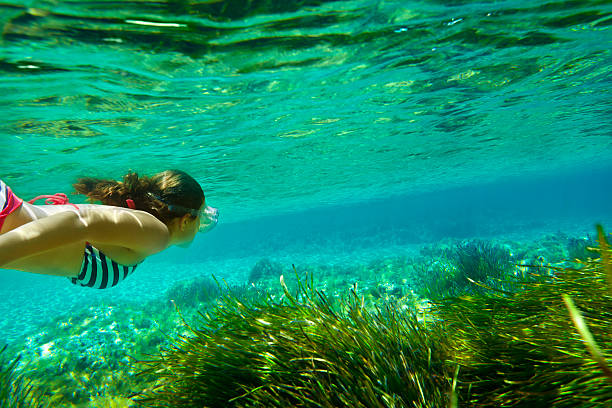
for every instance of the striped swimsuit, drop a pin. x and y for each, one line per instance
(100, 272)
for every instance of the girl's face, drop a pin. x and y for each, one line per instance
(205, 221)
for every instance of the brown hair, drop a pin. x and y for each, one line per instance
(166, 195)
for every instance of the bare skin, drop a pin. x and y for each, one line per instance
(50, 239)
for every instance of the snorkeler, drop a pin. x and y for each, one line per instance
(100, 245)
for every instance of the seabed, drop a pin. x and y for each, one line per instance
(467, 323)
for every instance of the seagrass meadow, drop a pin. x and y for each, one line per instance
(531, 335)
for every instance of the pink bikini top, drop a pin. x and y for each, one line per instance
(9, 202)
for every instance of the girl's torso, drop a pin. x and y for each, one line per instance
(64, 260)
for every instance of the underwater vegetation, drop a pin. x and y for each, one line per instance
(523, 349)
(457, 268)
(478, 260)
(301, 351)
(581, 248)
(483, 349)
(15, 390)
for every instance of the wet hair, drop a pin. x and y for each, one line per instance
(166, 195)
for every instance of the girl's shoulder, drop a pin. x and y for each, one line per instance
(134, 229)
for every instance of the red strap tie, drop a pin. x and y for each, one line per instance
(54, 199)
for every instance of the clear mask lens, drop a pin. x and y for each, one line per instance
(208, 218)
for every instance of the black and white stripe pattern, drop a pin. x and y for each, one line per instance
(100, 272)
(3, 194)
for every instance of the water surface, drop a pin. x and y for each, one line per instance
(276, 105)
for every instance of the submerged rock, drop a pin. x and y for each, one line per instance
(265, 269)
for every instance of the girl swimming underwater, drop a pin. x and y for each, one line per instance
(99, 245)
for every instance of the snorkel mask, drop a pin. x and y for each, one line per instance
(209, 216)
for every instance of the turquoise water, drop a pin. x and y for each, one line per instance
(327, 132)
(278, 106)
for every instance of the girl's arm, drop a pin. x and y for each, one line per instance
(136, 230)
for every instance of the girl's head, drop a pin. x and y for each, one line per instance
(172, 196)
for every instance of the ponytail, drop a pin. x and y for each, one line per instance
(156, 195)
